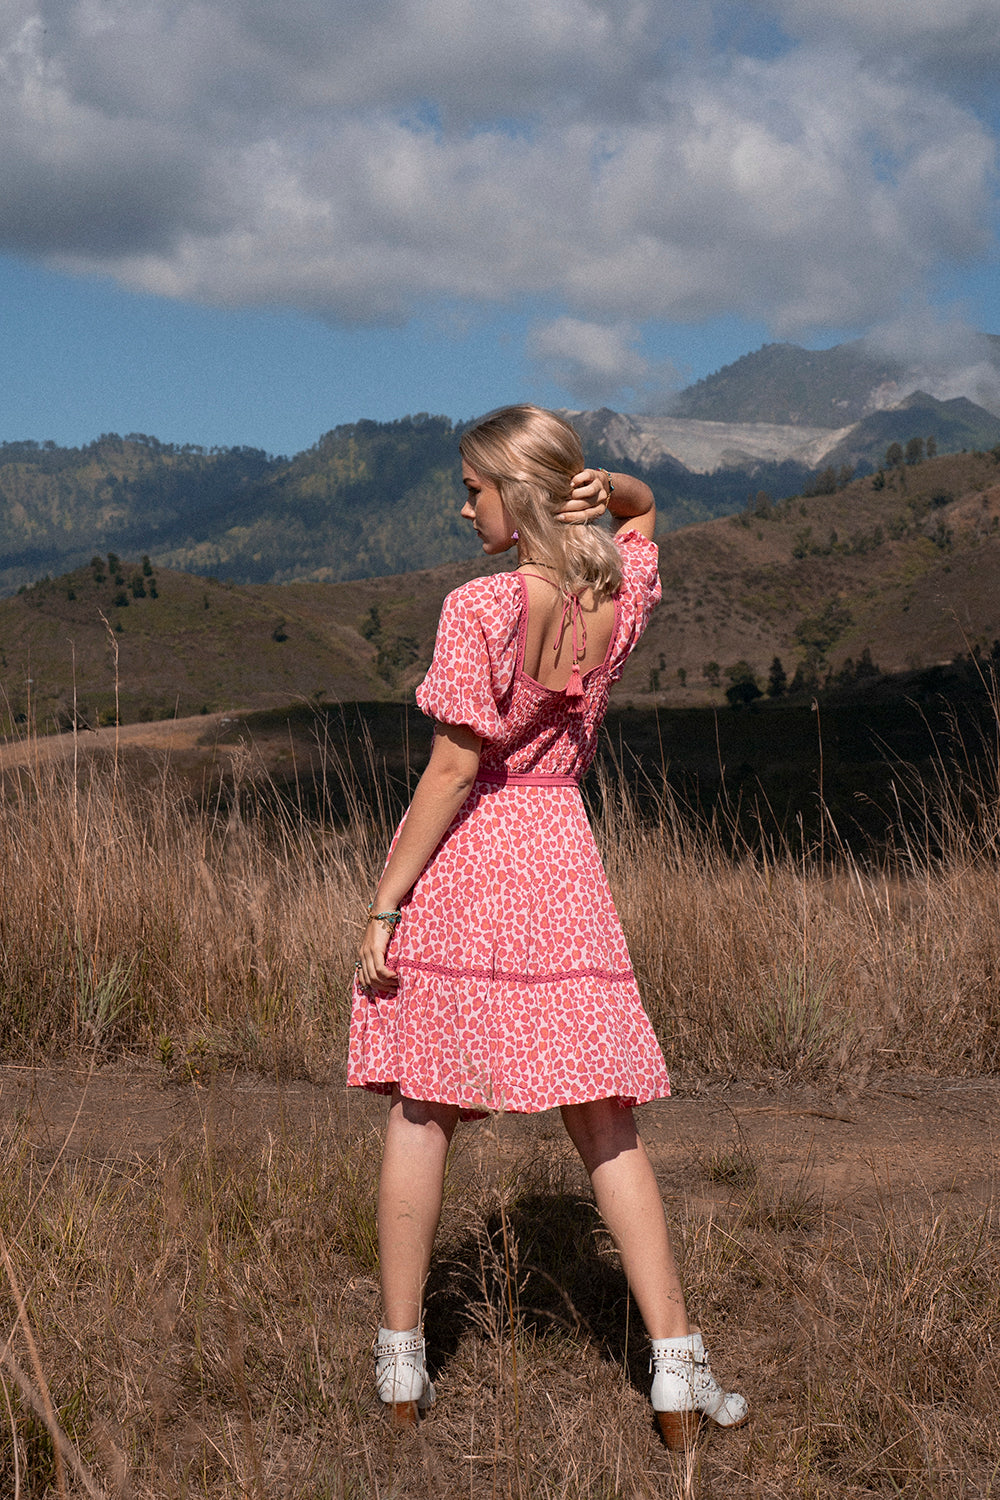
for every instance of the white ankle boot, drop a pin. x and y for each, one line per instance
(684, 1389)
(401, 1374)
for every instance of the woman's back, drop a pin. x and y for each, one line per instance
(548, 647)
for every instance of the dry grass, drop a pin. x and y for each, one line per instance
(201, 1317)
(132, 920)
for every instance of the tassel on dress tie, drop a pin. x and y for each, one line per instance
(578, 633)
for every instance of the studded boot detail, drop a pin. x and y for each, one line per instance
(401, 1374)
(685, 1390)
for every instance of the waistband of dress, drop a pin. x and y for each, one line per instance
(528, 778)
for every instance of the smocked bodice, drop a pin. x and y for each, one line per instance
(477, 678)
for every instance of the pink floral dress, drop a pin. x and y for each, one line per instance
(516, 991)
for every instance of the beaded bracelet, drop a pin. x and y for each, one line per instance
(388, 919)
(607, 478)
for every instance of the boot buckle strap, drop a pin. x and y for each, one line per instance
(680, 1359)
(404, 1346)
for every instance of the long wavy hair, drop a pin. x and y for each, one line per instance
(531, 456)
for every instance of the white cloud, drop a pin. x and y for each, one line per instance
(954, 44)
(942, 354)
(597, 363)
(363, 163)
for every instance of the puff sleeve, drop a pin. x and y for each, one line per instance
(474, 654)
(639, 593)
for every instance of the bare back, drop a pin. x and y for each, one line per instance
(548, 659)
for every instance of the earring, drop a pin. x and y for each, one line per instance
(515, 536)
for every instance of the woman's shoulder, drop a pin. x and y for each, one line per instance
(489, 593)
(475, 654)
(635, 546)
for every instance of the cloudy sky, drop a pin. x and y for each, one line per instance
(244, 221)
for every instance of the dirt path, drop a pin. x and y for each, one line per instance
(167, 736)
(923, 1142)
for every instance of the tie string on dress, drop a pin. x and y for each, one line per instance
(573, 615)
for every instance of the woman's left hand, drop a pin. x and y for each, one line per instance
(588, 500)
(372, 971)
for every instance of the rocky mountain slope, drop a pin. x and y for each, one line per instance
(833, 388)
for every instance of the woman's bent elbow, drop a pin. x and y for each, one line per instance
(453, 783)
(464, 782)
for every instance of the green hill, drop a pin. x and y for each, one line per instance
(368, 499)
(371, 498)
(954, 425)
(905, 567)
(60, 505)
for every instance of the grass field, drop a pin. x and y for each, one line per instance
(192, 1318)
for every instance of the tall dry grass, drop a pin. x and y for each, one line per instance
(200, 1319)
(813, 961)
(135, 920)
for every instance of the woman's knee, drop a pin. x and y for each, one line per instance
(424, 1114)
(600, 1129)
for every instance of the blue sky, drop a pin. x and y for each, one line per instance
(239, 221)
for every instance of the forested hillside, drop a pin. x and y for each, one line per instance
(58, 505)
(366, 499)
(890, 572)
(378, 498)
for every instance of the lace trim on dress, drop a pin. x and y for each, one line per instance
(513, 976)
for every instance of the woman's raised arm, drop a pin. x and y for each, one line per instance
(628, 501)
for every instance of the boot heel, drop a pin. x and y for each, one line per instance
(404, 1414)
(679, 1429)
(684, 1389)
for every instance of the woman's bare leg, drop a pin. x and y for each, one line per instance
(629, 1202)
(410, 1190)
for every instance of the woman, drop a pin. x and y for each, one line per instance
(493, 973)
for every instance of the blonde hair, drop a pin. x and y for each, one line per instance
(531, 456)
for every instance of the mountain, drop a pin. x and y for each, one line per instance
(59, 505)
(787, 405)
(903, 566)
(901, 570)
(785, 385)
(956, 425)
(369, 498)
(678, 447)
(379, 498)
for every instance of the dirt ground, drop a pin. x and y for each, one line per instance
(165, 735)
(924, 1142)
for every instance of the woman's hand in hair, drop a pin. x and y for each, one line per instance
(588, 500)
